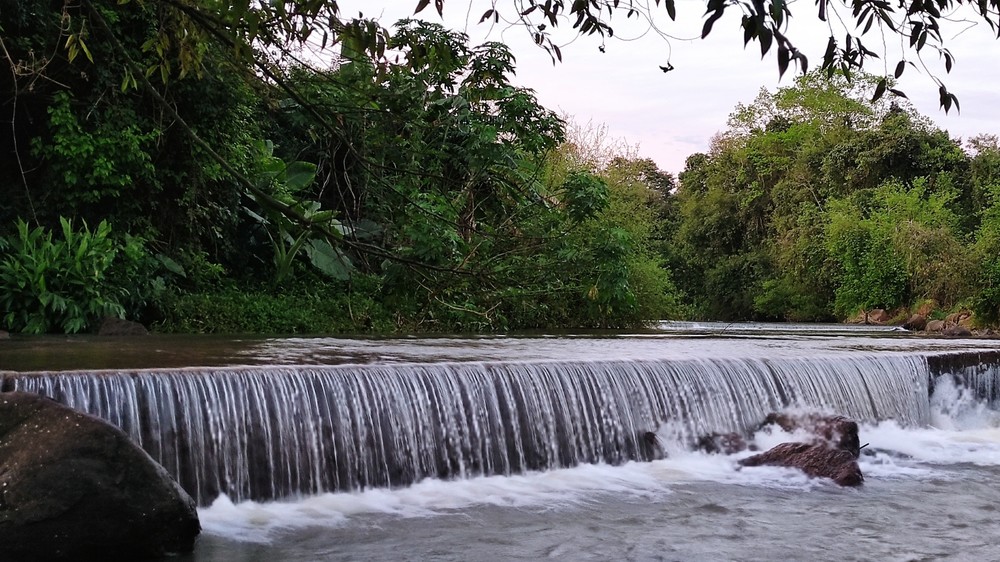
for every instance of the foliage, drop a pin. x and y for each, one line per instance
(94, 167)
(289, 237)
(48, 284)
(411, 186)
(817, 203)
(872, 275)
(987, 246)
(254, 31)
(301, 309)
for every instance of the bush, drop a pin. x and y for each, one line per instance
(48, 285)
(314, 309)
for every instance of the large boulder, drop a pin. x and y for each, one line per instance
(818, 460)
(73, 487)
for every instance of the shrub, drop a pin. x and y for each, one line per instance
(299, 309)
(50, 284)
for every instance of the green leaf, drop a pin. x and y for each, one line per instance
(329, 260)
(171, 265)
(298, 175)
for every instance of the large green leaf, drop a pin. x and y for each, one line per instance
(329, 260)
(298, 175)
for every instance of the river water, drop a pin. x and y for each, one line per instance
(930, 491)
(930, 494)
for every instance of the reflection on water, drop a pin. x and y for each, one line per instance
(671, 340)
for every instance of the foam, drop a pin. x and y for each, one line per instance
(963, 431)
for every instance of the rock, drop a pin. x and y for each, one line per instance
(936, 326)
(112, 326)
(927, 307)
(837, 432)
(967, 320)
(650, 446)
(4, 335)
(957, 331)
(73, 487)
(916, 323)
(725, 443)
(818, 460)
(877, 316)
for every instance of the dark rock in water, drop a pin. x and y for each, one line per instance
(112, 326)
(836, 431)
(650, 446)
(724, 443)
(73, 487)
(817, 460)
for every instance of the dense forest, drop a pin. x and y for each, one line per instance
(152, 173)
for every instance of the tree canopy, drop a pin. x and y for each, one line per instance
(858, 30)
(184, 162)
(425, 191)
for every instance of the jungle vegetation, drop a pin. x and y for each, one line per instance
(189, 169)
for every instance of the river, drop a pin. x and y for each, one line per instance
(581, 490)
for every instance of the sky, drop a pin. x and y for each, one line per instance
(669, 116)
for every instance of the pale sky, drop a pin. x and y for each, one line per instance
(672, 115)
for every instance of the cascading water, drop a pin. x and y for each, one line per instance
(978, 372)
(271, 432)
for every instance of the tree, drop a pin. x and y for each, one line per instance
(273, 32)
(280, 26)
(919, 25)
(817, 202)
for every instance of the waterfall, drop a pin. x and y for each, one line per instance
(979, 371)
(270, 432)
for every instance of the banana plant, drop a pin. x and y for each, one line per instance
(293, 224)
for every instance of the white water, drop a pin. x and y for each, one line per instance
(901, 465)
(265, 433)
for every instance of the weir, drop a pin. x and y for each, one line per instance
(977, 371)
(265, 433)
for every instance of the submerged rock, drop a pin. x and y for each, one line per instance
(112, 326)
(818, 460)
(73, 487)
(650, 446)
